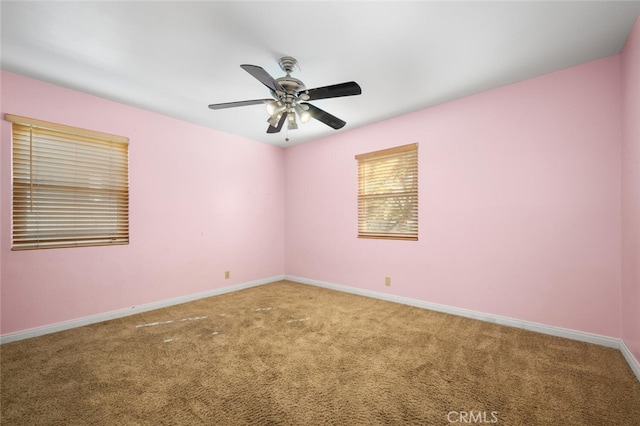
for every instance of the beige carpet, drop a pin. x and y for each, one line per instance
(292, 354)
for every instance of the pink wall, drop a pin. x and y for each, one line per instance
(631, 192)
(519, 203)
(194, 194)
(520, 210)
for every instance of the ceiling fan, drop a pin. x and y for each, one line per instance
(290, 96)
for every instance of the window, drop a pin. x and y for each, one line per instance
(388, 193)
(70, 186)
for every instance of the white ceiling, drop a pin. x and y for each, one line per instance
(175, 58)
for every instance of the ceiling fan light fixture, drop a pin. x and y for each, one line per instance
(302, 112)
(291, 122)
(275, 106)
(275, 118)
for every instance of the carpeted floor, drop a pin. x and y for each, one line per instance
(292, 354)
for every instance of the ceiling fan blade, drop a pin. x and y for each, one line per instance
(276, 129)
(239, 103)
(263, 77)
(325, 117)
(335, 91)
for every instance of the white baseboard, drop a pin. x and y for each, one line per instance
(66, 325)
(631, 360)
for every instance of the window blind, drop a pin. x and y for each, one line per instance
(70, 186)
(388, 193)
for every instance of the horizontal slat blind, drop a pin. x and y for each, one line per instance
(388, 193)
(70, 186)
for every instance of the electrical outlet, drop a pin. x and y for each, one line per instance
(387, 281)
(227, 275)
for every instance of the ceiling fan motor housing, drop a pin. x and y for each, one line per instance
(291, 85)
